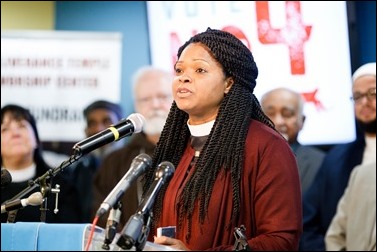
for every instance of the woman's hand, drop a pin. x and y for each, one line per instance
(171, 242)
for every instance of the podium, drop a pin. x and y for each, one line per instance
(40, 236)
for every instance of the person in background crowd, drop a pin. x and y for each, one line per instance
(321, 199)
(285, 108)
(232, 168)
(21, 155)
(152, 99)
(353, 227)
(99, 115)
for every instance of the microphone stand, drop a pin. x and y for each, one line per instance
(45, 187)
(112, 224)
(136, 231)
(144, 232)
(45, 190)
(12, 216)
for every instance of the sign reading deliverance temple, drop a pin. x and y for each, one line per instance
(56, 74)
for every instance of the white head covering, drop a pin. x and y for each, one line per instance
(366, 69)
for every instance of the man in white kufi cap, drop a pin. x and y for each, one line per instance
(353, 228)
(366, 69)
(320, 201)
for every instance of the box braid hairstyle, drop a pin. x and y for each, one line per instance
(225, 146)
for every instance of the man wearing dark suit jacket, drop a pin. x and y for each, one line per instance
(285, 108)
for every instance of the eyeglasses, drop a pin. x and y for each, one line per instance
(160, 98)
(370, 95)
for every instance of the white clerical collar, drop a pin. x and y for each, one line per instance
(202, 129)
(23, 174)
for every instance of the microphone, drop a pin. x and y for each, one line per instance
(111, 225)
(133, 124)
(132, 233)
(6, 178)
(33, 200)
(138, 166)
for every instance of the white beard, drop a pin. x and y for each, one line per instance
(155, 124)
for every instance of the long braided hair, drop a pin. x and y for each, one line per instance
(225, 146)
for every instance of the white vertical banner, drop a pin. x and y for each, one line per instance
(56, 74)
(300, 45)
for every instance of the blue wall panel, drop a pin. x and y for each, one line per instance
(127, 17)
(366, 27)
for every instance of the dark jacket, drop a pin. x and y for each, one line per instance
(81, 174)
(309, 160)
(68, 209)
(321, 199)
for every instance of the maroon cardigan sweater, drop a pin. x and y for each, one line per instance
(271, 208)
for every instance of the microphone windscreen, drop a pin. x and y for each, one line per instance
(35, 199)
(138, 121)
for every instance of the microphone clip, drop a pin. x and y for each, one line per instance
(12, 216)
(135, 233)
(56, 191)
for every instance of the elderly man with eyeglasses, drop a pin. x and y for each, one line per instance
(321, 199)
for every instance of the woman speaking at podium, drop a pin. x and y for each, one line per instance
(233, 168)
